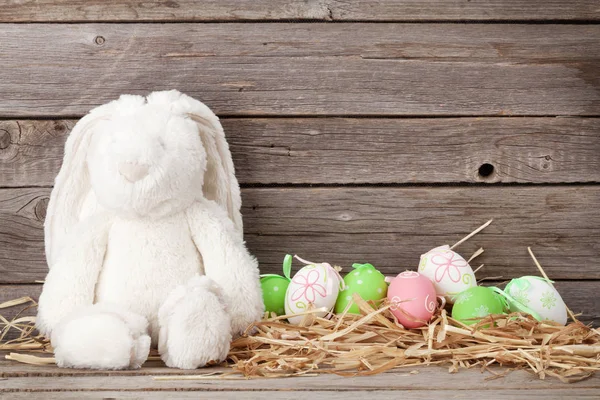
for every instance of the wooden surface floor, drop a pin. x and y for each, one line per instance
(19, 381)
(361, 131)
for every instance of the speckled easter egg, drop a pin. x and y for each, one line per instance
(476, 303)
(274, 288)
(450, 273)
(315, 284)
(413, 299)
(538, 297)
(364, 280)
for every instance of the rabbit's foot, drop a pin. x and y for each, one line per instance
(101, 336)
(194, 325)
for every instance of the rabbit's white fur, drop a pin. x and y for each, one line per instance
(146, 203)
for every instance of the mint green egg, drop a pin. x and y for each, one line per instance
(365, 280)
(273, 289)
(476, 303)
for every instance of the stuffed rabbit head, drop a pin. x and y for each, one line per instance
(142, 158)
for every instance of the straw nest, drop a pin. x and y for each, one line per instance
(374, 342)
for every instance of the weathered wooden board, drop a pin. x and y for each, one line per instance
(494, 43)
(319, 10)
(580, 296)
(23, 381)
(343, 150)
(11, 369)
(425, 378)
(252, 69)
(389, 227)
(191, 391)
(457, 10)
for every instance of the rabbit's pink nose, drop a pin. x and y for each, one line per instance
(133, 172)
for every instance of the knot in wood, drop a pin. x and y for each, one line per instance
(59, 127)
(4, 139)
(345, 217)
(40, 209)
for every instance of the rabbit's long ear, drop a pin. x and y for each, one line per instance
(220, 183)
(71, 187)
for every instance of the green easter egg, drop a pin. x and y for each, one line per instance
(476, 303)
(273, 289)
(365, 280)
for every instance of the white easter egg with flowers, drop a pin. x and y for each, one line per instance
(316, 285)
(450, 273)
(538, 297)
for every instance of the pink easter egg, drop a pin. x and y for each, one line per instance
(413, 299)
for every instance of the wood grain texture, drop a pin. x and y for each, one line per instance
(356, 151)
(191, 391)
(50, 379)
(31, 152)
(580, 296)
(251, 69)
(319, 10)
(389, 227)
(392, 227)
(22, 214)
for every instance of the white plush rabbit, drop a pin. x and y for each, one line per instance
(144, 239)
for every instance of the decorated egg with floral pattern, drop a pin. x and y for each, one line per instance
(538, 297)
(367, 282)
(413, 299)
(450, 273)
(316, 285)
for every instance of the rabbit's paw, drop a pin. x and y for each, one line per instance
(194, 326)
(101, 337)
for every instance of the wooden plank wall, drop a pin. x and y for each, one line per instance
(358, 129)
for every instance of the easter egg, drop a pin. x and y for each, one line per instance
(367, 282)
(315, 285)
(450, 273)
(413, 299)
(476, 303)
(274, 289)
(538, 297)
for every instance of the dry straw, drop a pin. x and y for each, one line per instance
(374, 342)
